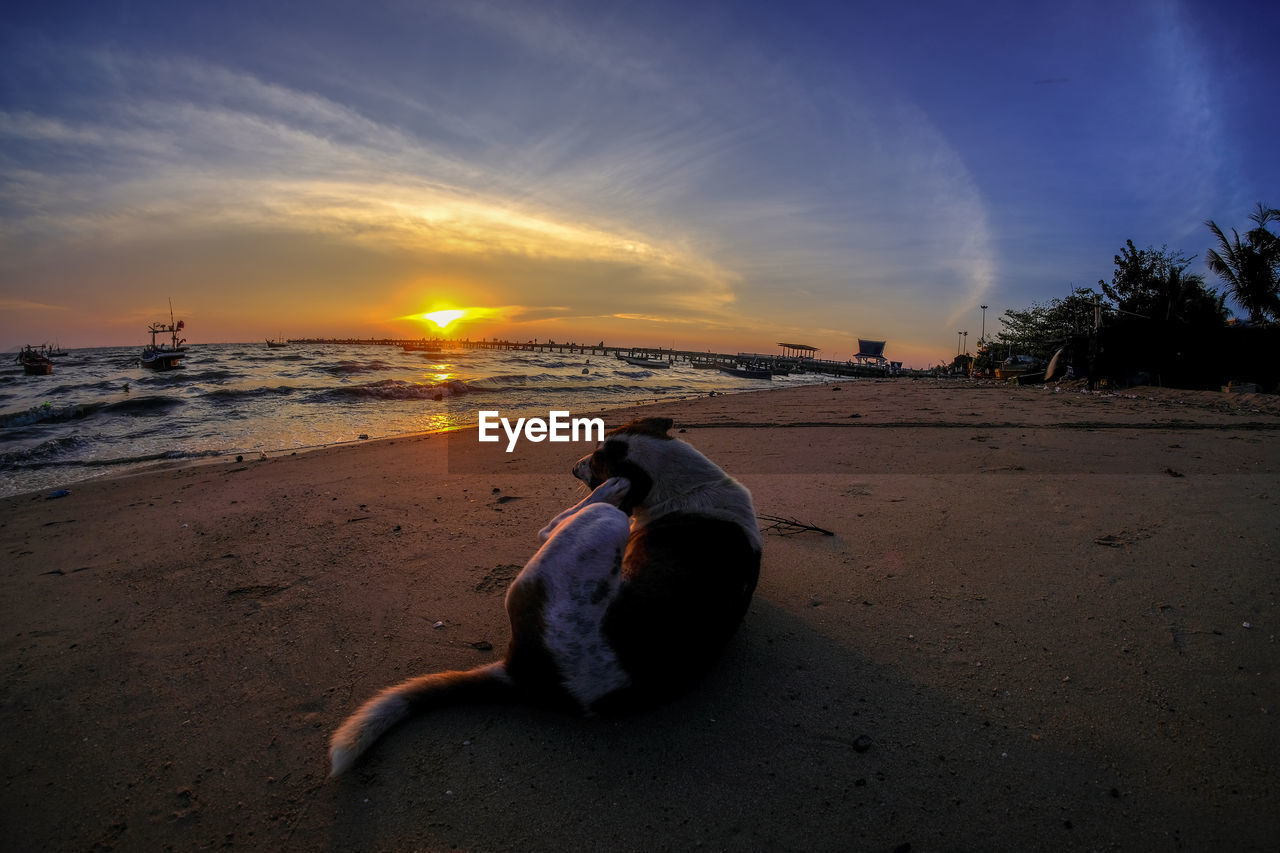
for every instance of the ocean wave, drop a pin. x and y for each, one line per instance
(212, 375)
(142, 406)
(101, 386)
(85, 389)
(234, 395)
(46, 453)
(546, 382)
(54, 453)
(348, 368)
(394, 389)
(501, 382)
(162, 382)
(47, 413)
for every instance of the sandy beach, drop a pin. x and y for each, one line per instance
(1043, 620)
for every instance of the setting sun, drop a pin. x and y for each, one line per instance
(443, 318)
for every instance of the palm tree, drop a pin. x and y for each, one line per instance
(1251, 269)
(1187, 300)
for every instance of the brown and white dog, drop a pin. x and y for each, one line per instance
(631, 597)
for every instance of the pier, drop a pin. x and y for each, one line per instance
(793, 360)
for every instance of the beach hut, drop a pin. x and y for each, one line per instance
(871, 352)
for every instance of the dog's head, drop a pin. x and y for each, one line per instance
(630, 451)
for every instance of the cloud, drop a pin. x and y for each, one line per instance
(28, 305)
(551, 34)
(216, 150)
(686, 180)
(1190, 166)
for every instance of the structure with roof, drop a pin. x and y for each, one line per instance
(871, 352)
(798, 351)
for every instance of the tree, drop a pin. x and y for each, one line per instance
(1163, 319)
(1153, 284)
(1042, 328)
(1250, 269)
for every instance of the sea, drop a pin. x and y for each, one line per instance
(100, 413)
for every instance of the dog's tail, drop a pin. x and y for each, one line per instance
(375, 717)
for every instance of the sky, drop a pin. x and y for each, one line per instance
(715, 175)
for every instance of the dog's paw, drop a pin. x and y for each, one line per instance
(612, 491)
(545, 533)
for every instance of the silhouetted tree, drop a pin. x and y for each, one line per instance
(1043, 327)
(1164, 316)
(1154, 284)
(1250, 269)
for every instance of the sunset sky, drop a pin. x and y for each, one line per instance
(705, 175)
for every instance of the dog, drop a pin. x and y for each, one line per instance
(631, 597)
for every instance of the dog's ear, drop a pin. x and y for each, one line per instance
(613, 459)
(653, 427)
(612, 451)
(602, 463)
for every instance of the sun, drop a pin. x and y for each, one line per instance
(442, 319)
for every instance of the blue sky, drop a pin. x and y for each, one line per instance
(714, 175)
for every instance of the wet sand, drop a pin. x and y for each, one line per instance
(1043, 620)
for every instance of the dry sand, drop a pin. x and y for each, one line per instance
(1046, 620)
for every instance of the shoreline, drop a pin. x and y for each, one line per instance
(1044, 620)
(1191, 401)
(132, 467)
(102, 416)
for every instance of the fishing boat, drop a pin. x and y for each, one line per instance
(640, 361)
(35, 361)
(276, 344)
(1018, 365)
(159, 356)
(747, 372)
